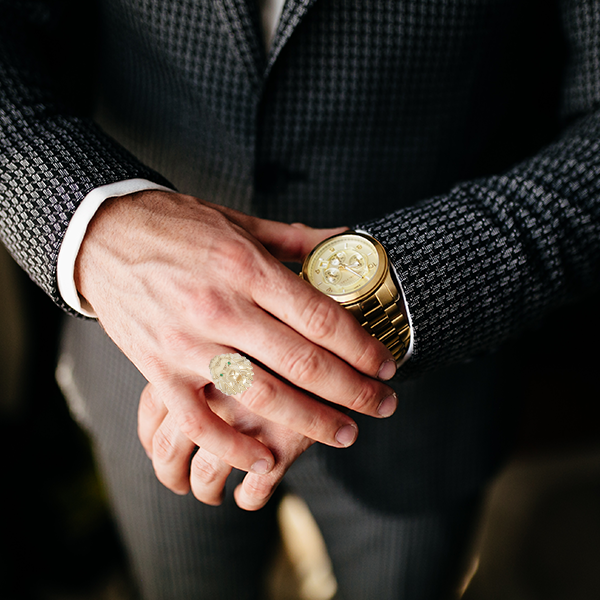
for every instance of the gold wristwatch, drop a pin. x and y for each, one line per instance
(353, 269)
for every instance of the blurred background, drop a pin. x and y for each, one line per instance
(57, 537)
(539, 532)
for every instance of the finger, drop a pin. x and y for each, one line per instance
(151, 413)
(285, 242)
(310, 367)
(208, 476)
(187, 406)
(289, 242)
(294, 242)
(278, 402)
(171, 453)
(256, 490)
(319, 319)
(286, 405)
(301, 306)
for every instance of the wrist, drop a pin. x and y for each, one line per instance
(76, 232)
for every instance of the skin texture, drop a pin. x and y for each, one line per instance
(205, 475)
(174, 282)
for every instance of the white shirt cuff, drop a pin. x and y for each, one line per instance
(408, 317)
(76, 232)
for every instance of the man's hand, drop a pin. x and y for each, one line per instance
(175, 281)
(205, 474)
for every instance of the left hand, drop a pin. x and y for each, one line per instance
(170, 450)
(176, 281)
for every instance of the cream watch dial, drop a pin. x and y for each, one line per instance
(343, 265)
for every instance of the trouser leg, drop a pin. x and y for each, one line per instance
(179, 548)
(383, 555)
(182, 549)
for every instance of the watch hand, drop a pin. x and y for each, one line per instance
(351, 271)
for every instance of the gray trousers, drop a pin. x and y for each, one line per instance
(181, 549)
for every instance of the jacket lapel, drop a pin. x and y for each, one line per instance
(242, 18)
(291, 15)
(243, 21)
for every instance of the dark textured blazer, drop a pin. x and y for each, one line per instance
(464, 134)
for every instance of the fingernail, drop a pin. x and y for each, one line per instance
(387, 370)
(346, 435)
(388, 405)
(260, 467)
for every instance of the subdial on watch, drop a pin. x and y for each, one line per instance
(332, 275)
(356, 262)
(337, 259)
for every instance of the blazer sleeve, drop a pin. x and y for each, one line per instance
(489, 258)
(51, 153)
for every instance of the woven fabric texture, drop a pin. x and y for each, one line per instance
(463, 134)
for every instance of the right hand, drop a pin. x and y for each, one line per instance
(181, 466)
(175, 281)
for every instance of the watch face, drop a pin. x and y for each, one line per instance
(343, 265)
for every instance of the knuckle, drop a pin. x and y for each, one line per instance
(148, 401)
(204, 470)
(369, 357)
(259, 398)
(190, 424)
(302, 364)
(319, 318)
(235, 453)
(363, 402)
(184, 346)
(163, 448)
(314, 425)
(258, 487)
(208, 307)
(176, 341)
(238, 256)
(152, 366)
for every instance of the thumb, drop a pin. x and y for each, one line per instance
(292, 242)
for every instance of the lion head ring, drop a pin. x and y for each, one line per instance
(231, 373)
